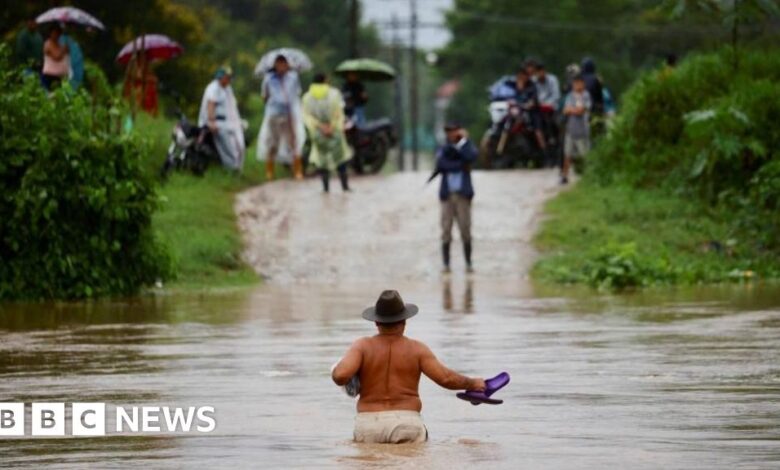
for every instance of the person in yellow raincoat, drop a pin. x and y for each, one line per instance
(323, 115)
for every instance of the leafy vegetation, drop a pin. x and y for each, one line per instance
(685, 187)
(196, 219)
(624, 37)
(76, 206)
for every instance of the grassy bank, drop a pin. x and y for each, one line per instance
(196, 219)
(620, 236)
(686, 186)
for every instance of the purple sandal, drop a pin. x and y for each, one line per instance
(491, 386)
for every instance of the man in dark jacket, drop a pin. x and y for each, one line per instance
(453, 162)
(593, 85)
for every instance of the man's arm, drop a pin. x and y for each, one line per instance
(349, 365)
(445, 377)
(555, 96)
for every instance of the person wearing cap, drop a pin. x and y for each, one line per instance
(323, 114)
(282, 134)
(219, 111)
(453, 163)
(388, 367)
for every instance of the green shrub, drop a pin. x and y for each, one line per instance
(75, 205)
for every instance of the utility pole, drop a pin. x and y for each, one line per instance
(399, 113)
(353, 29)
(413, 97)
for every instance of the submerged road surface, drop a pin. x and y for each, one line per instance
(387, 228)
(684, 378)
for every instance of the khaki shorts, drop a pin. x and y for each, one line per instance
(390, 427)
(280, 128)
(576, 148)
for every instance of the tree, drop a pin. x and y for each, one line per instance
(733, 14)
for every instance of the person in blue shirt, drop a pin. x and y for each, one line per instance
(76, 76)
(453, 163)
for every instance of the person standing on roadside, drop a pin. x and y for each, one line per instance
(282, 134)
(549, 95)
(323, 114)
(576, 142)
(453, 163)
(29, 47)
(56, 62)
(219, 111)
(527, 97)
(76, 73)
(355, 98)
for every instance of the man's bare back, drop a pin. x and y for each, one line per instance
(389, 366)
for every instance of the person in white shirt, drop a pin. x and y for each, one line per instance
(219, 111)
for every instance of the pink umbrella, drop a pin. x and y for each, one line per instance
(69, 15)
(157, 46)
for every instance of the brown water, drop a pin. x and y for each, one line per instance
(674, 379)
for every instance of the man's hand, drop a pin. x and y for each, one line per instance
(212, 125)
(477, 385)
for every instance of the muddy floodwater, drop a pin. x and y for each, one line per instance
(677, 378)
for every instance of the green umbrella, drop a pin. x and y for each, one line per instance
(367, 69)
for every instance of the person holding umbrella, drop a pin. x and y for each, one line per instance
(56, 62)
(282, 132)
(323, 114)
(219, 111)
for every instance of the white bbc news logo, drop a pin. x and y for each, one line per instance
(89, 419)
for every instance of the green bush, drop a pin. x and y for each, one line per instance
(75, 205)
(657, 137)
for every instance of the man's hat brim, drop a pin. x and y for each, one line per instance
(409, 311)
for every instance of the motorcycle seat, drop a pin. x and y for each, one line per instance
(376, 124)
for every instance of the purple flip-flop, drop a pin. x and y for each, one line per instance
(491, 386)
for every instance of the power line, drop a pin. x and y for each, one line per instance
(580, 26)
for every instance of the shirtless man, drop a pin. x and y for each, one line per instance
(389, 367)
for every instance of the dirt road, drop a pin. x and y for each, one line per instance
(387, 228)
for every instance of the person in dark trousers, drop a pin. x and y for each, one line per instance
(453, 163)
(527, 97)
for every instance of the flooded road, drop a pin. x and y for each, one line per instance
(388, 227)
(685, 378)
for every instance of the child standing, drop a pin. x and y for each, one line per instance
(576, 143)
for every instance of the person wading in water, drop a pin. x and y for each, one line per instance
(389, 366)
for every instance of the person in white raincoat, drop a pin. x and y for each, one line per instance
(219, 111)
(282, 134)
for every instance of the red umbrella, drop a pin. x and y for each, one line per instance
(157, 46)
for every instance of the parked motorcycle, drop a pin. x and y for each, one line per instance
(192, 149)
(371, 142)
(509, 141)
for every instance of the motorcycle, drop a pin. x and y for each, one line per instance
(192, 149)
(371, 142)
(510, 140)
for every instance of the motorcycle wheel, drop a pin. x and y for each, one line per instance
(373, 159)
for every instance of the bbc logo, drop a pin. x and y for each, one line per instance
(48, 419)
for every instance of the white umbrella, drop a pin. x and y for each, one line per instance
(297, 59)
(69, 15)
